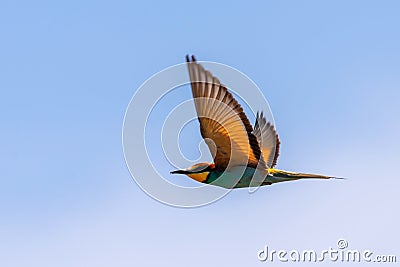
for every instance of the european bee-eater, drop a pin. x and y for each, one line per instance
(241, 154)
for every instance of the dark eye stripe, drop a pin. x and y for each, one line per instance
(207, 169)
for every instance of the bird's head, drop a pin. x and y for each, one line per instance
(198, 172)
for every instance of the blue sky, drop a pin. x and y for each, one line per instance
(329, 69)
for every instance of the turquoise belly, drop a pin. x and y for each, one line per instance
(237, 177)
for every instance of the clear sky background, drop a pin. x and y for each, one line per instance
(329, 69)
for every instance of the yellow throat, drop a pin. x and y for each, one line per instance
(199, 177)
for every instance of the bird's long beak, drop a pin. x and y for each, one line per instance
(180, 172)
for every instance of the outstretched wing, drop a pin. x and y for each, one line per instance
(268, 140)
(223, 124)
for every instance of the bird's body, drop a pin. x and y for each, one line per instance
(234, 177)
(239, 177)
(243, 156)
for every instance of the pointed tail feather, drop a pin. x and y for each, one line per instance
(276, 176)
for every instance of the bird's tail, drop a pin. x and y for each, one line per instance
(276, 176)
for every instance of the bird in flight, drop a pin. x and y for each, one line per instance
(243, 156)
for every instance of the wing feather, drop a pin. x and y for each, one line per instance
(223, 124)
(268, 140)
